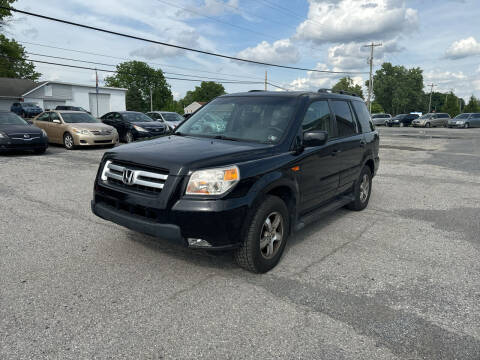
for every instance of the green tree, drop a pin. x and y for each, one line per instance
(5, 13)
(473, 105)
(207, 91)
(346, 84)
(451, 105)
(141, 80)
(12, 63)
(377, 108)
(398, 89)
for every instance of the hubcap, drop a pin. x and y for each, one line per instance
(271, 235)
(68, 141)
(129, 137)
(364, 188)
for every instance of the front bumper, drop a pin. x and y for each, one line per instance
(455, 125)
(218, 222)
(418, 124)
(10, 144)
(94, 140)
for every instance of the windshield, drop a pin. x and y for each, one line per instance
(399, 116)
(137, 117)
(76, 118)
(172, 117)
(252, 119)
(7, 118)
(380, 116)
(462, 116)
(426, 116)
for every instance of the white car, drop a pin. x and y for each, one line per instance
(381, 119)
(172, 119)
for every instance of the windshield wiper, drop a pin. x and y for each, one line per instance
(223, 137)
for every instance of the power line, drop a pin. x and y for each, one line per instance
(130, 59)
(103, 64)
(172, 45)
(114, 71)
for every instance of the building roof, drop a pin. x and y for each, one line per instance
(15, 88)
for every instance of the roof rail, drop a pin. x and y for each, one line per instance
(342, 92)
(255, 90)
(325, 90)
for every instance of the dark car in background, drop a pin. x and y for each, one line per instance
(243, 173)
(16, 134)
(71, 108)
(465, 120)
(172, 119)
(133, 125)
(26, 109)
(402, 120)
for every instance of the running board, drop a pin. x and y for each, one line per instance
(317, 214)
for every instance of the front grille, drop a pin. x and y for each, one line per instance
(134, 178)
(101, 132)
(103, 141)
(138, 210)
(155, 130)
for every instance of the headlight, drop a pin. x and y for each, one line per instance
(139, 128)
(213, 181)
(3, 135)
(44, 133)
(80, 131)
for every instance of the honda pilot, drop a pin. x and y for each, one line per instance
(243, 173)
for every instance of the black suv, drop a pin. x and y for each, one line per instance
(244, 172)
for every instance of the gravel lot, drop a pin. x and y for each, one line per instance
(398, 280)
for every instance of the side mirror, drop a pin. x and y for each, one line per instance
(56, 121)
(315, 138)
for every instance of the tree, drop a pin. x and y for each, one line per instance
(12, 63)
(207, 91)
(346, 84)
(451, 105)
(473, 105)
(141, 80)
(5, 13)
(377, 108)
(398, 89)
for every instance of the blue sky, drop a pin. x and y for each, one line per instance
(440, 36)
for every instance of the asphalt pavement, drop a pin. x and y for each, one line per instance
(399, 280)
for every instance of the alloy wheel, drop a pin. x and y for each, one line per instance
(68, 140)
(364, 188)
(271, 235)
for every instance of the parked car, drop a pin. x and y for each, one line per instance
(172, 119)
(17, 134)
(132, 125)
(381, 119)
(278, 162)
(465, 120)
(26, 109)
(403, 120)
(75, 128)
(432, 120)
(71, 108)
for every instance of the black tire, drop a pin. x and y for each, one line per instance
(427, 125)
(360, 202)
(68, 142)
(23, 115)
(250, 256)
(40, 151)
(129, 137)
(467, 125)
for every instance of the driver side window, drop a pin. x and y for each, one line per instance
(317, 117)
(54, 116)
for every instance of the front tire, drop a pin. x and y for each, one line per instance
(265, 236)
(467, 125)
(362, 190)
(129, 137)
(40, 151)
(427, 125)
(68, 141)
(402, 124)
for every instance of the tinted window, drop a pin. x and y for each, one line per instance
(363, 116)
(476, 115)
(441, 116)
(172, 117)
(136, 117)
(8, 118)
(317, 117)
(44, 117)
(462, 116)
(345, 124)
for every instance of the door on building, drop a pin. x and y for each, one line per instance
(103, 104)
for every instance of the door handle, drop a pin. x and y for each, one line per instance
(336, 151)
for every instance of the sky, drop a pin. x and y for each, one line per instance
(440, 36)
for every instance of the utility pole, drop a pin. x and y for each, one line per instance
(96, 91)
(430, 101)
(370, 81)
(151, 100)
(265, 80)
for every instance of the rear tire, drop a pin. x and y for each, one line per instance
(265, 236)
(362, 190)
(40, 151)
(68, 141)
(427, 125)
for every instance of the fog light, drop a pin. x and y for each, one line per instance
(198, 243)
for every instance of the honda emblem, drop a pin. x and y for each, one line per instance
(127, 176)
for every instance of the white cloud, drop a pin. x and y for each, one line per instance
(280, 52)
(445, 81)
(315, 80)
(185, 37)
(355, 20)
(463, 48)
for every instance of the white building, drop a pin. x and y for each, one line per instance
(49, 94)
(194, 106)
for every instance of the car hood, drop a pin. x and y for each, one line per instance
(91, 126)
(180, 154)
(152, 124)
(20, 129)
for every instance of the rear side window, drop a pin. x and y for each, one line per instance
(317, 117)
(363, 116)
(343, 115)
(441, 116)
(44, 117)
(476, 116)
